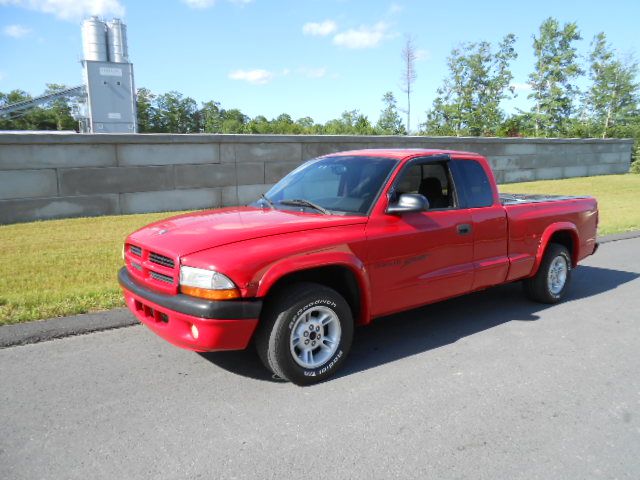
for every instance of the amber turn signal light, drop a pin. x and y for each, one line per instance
(228, 294)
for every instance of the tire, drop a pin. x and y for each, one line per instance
(550, 283)
(297, 317)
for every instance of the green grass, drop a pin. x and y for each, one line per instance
(618, 197)
(65, 267)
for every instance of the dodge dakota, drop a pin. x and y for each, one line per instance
(341, 240)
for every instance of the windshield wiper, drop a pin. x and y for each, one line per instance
(301, 202)
(268, 200)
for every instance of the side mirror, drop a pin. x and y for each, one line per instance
(408, 202)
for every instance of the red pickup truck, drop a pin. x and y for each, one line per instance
(342, 240)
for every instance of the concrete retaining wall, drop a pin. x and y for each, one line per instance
(45, 176)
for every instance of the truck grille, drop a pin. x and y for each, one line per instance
(154, 269)
(161, 260)
(161, 277)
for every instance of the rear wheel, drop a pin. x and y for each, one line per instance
(550, 283)
(305, 333)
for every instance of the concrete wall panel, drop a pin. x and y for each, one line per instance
(576, 171)
(28, 183)
(167, 154)
(12, 211)
(86, 181)
(549, 173)
(51, 156)
(312, 150)
(186, 199)
(250, 173)
(603, 169)
(268, 152)
(229, 196)
(195, 176)
(513, 176)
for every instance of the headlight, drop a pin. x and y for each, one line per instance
(209, 284)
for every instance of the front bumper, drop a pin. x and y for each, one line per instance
(221, 325)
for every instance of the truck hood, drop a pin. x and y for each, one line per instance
(193, 232)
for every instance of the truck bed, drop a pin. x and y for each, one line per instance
(523, 198)
(531, 215)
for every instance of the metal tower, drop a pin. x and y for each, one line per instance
(107, 100)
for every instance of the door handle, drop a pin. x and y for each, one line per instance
(464, 229)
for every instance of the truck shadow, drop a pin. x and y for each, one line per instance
(409, 333)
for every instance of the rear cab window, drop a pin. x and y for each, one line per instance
(473, 184)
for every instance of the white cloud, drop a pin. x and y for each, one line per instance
(71, 9)
(16, 31)
(319, 29)
(256, 77)
(362, 37)
(312, 72)
(202, 4)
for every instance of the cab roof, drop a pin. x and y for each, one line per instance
(402, 153)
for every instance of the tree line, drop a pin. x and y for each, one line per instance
(469, 101)
(172, 112)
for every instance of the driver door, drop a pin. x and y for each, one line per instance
(420, 257)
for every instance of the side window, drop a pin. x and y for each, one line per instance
(476, 184)
(432, 180)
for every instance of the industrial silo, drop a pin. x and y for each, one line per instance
(117, 41)
(94, 40)
(109, 85)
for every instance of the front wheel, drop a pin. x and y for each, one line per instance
(550, 283)
(305, 333)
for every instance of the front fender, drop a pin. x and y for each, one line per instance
(267, 278)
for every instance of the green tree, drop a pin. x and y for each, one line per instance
(612, 99)
(390, 122)
(306, 125)
(145, 110)
(52, 115)
(468, 103)
(284, 124)
(175, 113)
(552, 81)
(517, 125)
(17, 121)
(234, 121)
(351, 122)
(259, 125)
(58, 110)
(211, 117)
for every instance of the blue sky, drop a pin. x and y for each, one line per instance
(302, 57)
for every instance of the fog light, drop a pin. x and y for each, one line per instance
(194, 332)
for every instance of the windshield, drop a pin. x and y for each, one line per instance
(340, 184)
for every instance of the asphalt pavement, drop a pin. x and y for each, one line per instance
(487, 386)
